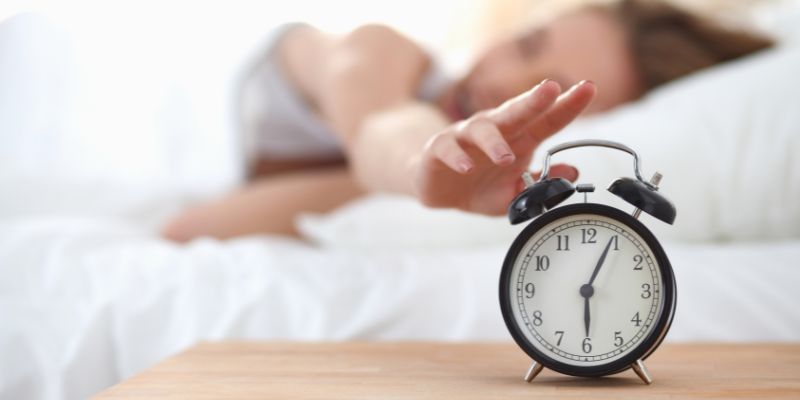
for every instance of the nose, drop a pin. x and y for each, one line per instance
(494, 93)
(510, 87)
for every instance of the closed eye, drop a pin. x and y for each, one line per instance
(531, 43)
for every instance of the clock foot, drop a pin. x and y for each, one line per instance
(642, 372)
(533, 371)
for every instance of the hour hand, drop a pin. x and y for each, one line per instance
(586, 317)
(587, 291)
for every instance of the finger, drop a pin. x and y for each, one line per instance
(565, 171)
(517, 112)
(447, 150)
(485, 135)
(564, 111)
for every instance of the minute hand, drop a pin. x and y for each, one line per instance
(600, 261)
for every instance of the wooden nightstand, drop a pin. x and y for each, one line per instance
(242, 370)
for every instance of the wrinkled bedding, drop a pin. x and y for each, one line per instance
(85, 303)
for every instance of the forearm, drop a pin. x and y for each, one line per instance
(348, 78)
(363, 85)
(373, 69)
(389, 145)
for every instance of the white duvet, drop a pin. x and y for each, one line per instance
(87, 302)
(90, 295)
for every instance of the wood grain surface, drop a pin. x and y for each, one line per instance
(355, 370)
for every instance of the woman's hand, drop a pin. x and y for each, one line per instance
(475, 165)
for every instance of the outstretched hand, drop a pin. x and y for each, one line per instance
(475, 165)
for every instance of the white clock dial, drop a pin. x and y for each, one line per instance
(586, 290)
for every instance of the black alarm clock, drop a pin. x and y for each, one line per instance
(586, 289)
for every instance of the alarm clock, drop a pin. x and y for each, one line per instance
(586, 289)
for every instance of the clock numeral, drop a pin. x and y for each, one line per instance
(617, 338)
(590, 234)
(566, 242)
(615, 240)
(587, 345)
(537, 318)
(638, 260)
(542, 263)
(529, 290)
(636, 320)
(646, 293)
(560, 335)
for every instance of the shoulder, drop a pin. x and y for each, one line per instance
(382, 42)
(376, 34)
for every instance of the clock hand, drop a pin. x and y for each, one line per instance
(600, 262)
(587, 290)
(586, 316)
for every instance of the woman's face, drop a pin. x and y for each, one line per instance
(586, 44)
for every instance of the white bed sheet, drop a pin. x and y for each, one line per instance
(87, 302)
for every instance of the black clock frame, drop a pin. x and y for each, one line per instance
(646, 347)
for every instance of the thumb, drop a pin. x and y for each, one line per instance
(565, 171)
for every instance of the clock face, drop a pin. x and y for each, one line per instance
(585, 290)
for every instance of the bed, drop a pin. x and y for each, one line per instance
(89, 294)
(86, 303)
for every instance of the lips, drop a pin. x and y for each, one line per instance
(449, 105)
(461, 101)
(458, 103)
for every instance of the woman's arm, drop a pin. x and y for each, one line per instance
(365, 90)
(401, 145)
(474, 165)
(350, 77)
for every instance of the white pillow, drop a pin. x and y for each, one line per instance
(726, 140)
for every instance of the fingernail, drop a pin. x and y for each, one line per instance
(533, 89)
(502, 153)
(574, 87)
(464, 165)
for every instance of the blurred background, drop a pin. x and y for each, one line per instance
(116, 114)
(141, 91)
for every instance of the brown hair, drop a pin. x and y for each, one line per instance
(668, 42)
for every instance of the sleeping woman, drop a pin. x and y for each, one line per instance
(330, 118)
